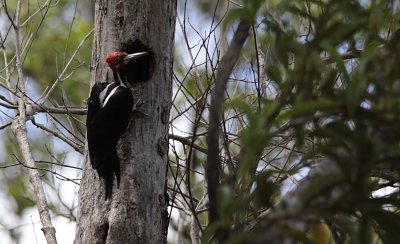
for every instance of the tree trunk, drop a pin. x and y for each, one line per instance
(137, 211)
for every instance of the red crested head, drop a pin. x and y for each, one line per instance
(116, 61)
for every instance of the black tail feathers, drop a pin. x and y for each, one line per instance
(109, 167)
(108, 184)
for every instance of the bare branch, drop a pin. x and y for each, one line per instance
(213, 167)
(59, 110)
(61, 177)
(5, 125)
(19, 129)
(40, 9)
(187, 142)
(346, 56)
(61, 76)
(73, 144)
(8, 166)
(45, 109)
(58, 164)
(7, 105)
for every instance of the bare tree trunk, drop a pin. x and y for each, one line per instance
(137, 211)
(19, 129)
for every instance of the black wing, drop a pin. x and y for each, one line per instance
(93, 104)
(107, 127)
(112, 120)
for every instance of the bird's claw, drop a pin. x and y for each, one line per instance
(136, 107)
(139, 103)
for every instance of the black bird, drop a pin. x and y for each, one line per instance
(109, 110)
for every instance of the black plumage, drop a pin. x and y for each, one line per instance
(105, 126)
(109, 110)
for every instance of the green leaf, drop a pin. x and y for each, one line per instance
(308, 108)
(209, 233)
(243, 106)
(334, 55)
(274, 73)
(233, 16)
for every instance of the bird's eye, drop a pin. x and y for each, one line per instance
(119, 58)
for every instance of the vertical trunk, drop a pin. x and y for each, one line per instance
(137, 211)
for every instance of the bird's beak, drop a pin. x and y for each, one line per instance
(134, 56)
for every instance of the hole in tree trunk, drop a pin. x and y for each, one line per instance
(141, 69)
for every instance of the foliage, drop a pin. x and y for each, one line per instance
(317, 82)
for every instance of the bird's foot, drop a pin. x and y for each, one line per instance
(136, 107)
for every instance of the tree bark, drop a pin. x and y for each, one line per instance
(137, 211)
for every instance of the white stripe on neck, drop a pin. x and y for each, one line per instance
(109, 96)
(103, 94)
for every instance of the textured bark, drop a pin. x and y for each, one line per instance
(137, 211)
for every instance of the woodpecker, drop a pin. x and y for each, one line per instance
(109, 110)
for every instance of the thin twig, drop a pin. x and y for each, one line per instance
(61, 177)
(5, 125)
(60, 77)
(69, 141)
(187, 142)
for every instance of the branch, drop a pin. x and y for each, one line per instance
(40, 9)
(60, 77)
(213, 167)
(45, 109)
(19, 129)
(58, 164)
(346, 56)
(8, 166)
(59, 110)
(5, 125)
(187, 142)
(6, 100)
(67, 140)
(60, 176)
